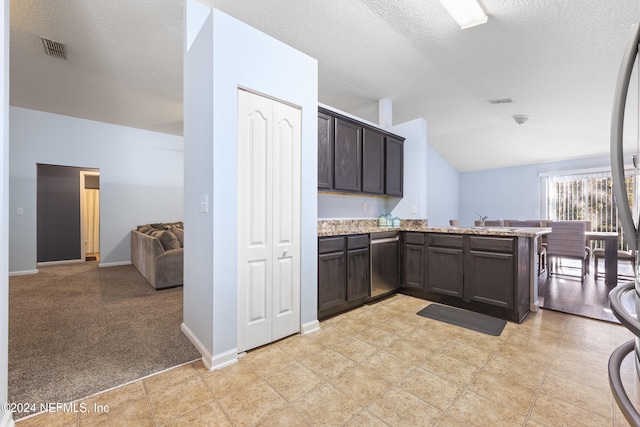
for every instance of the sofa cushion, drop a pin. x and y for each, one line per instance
(144, 229)
(168, 240)
(179, 232)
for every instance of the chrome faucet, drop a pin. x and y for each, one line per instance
(482, 219)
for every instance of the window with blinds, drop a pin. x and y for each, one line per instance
(587, 196)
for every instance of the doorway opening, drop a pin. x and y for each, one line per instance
(90, 215)
(68, 214)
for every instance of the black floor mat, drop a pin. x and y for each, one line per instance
(466, 319)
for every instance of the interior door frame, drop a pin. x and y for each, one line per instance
(83, 247)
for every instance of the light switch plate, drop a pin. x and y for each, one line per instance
(204, 203)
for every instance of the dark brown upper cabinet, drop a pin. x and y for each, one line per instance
(347, 160)
(373, 162)
(354, 157)
(325, 151)
(394, 171)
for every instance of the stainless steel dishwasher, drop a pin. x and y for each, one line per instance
(385, 254)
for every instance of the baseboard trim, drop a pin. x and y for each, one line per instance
(224, 359)
(113, 264)
(7, 420)
(23, 272)
(65, 261)
(210, 362)
(206, 356)
(310, 327)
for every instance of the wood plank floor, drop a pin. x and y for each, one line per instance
(562, 291)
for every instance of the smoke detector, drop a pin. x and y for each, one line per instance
(53, 48)
(521, 118)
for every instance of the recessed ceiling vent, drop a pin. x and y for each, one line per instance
(500, 101)
(53, 48)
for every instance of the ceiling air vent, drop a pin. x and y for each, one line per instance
(53, 48)
(500, 101)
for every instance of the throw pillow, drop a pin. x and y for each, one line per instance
(171, 225)
(179, 232)
(144, 229)
(168, 240)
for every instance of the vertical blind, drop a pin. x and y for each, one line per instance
(587, 196)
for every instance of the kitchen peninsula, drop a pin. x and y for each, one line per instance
(491, 270)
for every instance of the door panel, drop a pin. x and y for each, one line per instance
(286, 224)
(254, 216)
(268, 220)
(257, 293)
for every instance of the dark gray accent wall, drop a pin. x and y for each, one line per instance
(58, 213)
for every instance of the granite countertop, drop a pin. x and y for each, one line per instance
(343, 227)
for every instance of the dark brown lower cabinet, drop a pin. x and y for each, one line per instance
(357, 273)
(490, 275)
(332, 273)
(414, 264)
(487, 274)
(446, 264)
(446, 271)
(343, 273)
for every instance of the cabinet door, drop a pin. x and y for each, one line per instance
(373, 162)
(394, 172)
(347, 161)
(489, 278)
(414, 266)
(325, 151)
(445, 271)
(357, 274)
(332, 275)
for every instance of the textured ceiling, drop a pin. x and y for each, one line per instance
(557, 59)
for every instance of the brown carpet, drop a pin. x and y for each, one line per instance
(76, 329)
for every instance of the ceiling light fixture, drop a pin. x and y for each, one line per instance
(467, 13)
(521, 118)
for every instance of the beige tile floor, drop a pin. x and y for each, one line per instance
(382, 365)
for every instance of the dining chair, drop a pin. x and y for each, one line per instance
(567, 240)
(542, 249)
(454, 222)
(629, 256)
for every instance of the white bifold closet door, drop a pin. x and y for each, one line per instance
(269, 139)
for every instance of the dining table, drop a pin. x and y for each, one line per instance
(610, 239)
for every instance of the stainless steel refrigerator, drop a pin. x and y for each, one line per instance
(625, 298)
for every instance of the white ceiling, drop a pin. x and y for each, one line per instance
(557, 59)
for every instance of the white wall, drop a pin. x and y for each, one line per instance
(415, 171)
(5, 417)
(442, 190)
(515, 192)
(222, 54)
(341, 206)
(141, 178)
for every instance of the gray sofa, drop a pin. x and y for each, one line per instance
(157, 253)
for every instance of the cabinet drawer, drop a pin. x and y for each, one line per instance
(446, 241)
(491, 244)
(358, 241)
(414, 238)
(330, 244)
